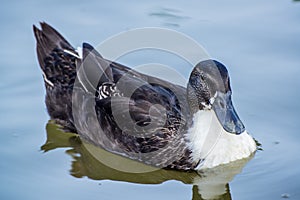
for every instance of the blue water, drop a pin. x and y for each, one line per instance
(257, 40)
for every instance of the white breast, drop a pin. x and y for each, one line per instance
(209, 141)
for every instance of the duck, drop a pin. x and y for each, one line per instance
(138, 116)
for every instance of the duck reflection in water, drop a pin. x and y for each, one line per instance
(97, 164)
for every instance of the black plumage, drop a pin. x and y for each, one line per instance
(156, 136)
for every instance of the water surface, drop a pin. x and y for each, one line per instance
(258, 42)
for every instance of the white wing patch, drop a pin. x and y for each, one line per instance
(108, 90)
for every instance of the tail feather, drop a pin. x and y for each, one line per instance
(57, 58)
(48, 39)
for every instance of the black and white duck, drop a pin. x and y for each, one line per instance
(141, 117)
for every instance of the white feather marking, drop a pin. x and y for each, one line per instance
(212, 100)
(209, 141)
(102, 95)
(46, 80)
(78, 50)
(206, 107)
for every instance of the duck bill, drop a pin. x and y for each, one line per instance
(226, 113)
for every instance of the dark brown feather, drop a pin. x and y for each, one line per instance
(155, 136)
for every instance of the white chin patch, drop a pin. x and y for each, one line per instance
(211, 143)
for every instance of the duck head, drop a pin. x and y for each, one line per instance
(209, 89)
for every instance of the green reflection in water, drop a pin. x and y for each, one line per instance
(207, 184)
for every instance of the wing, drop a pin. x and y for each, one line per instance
(139, 116)
(113, 106)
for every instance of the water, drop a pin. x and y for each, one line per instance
(258, 41)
